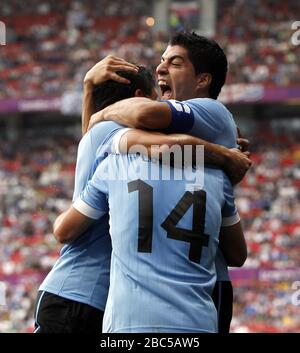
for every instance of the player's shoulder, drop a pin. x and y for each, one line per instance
(100, 135)
(207, 103)
(103, 128)
(214, 111)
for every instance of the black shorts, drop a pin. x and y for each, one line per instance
(55, 314)
(223, 298)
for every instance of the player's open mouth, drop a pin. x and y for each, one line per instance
(166, 90)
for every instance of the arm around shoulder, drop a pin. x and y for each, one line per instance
(142, 113)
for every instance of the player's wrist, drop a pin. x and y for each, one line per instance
(221, 155)
(88, 82)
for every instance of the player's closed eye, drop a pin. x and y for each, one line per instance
(176, 62)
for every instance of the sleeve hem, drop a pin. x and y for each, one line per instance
(87, 210)
(115, 145)
(230, 221)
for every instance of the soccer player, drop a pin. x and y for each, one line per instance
(164, 243)
(78, 283)
(191, 74)
(73, 295)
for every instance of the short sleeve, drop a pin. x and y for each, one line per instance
(115, 145)
(230, 214)
(92, 201)
(93, 148)
(208, 118)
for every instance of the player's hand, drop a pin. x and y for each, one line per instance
(238, 165)
(106, 70)
(243, 144)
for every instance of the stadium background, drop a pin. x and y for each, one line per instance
(49, 47)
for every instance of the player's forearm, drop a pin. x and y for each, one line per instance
(232, 161)
(138, 112)
(88, 108)
(216, 155)
(156, 145)
(233, 245)
(213, 154)
(70, 225)
(59, 230)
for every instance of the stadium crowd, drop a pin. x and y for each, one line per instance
(36, 182)
(265, 306)
(268, 200)
(256, 36)
(50, 45)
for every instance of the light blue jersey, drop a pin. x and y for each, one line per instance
(205, 118)
(210, 120)
(164, 241)
(82, 271)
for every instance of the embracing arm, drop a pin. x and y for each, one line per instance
(70, 225)
(141, 113)
(154, 144)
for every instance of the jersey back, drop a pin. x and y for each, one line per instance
(164, 239)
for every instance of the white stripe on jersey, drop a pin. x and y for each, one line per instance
(87, 210)
(230, 221)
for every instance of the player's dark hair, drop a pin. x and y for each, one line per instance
(111, 91)
(206, 56)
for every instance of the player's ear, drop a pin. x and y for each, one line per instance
(139, 93)
(204, 80)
